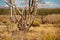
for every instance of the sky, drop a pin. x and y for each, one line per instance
(43, 4)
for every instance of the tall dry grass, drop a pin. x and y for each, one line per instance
(9, 31)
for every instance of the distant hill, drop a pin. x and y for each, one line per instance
(6, 10)
(48, 11)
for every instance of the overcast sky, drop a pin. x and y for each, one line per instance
(44, 4)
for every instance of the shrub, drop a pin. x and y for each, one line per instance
(49, 36)
(57, 25)
(36, 23)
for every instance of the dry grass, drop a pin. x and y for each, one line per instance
(53, 18)
(9, 31)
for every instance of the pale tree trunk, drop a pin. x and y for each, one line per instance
(11, 11)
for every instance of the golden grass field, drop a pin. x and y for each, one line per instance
(9, 31)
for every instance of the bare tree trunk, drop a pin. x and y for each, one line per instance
(11, 11)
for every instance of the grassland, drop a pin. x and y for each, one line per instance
(47, 31)
(50, 30)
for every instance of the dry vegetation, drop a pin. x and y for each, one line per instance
(54, 18)
(9, 30)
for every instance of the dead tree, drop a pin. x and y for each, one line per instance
(24, 22)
